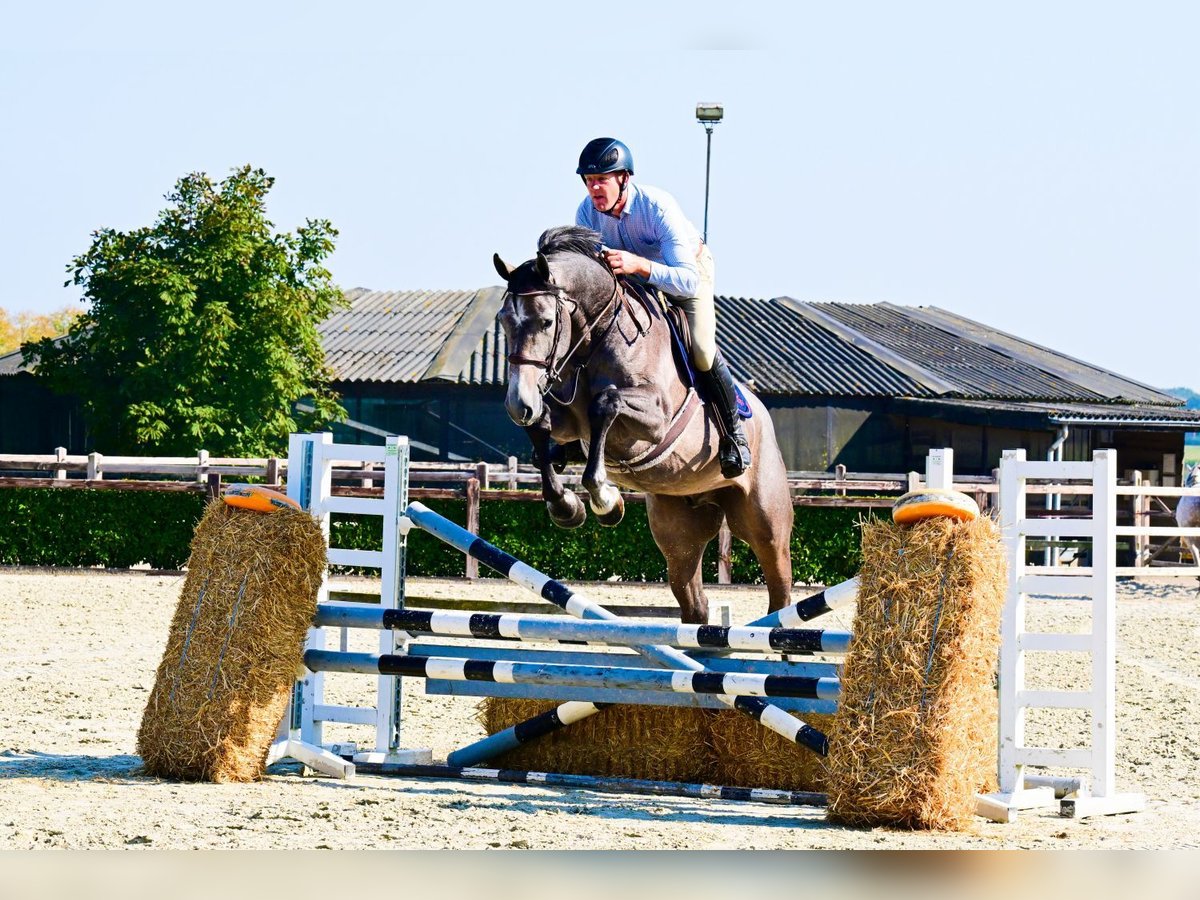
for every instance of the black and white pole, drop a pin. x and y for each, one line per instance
(596, 783)
(810, 607)
(676, 681)
(524, 627)
(769, 715)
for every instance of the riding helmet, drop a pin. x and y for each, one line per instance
(604, 155)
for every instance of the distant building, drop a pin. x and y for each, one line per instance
(869, 386)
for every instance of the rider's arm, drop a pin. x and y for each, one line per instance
(677, 274)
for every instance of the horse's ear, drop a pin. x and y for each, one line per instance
(543, 267)
(501, 267)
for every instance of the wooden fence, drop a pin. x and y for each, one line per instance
(473, 482)
(476, 482)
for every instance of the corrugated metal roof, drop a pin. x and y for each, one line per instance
(1109, 384)
(971, 368)
(1092, 414)
(395, 336)
(10, 363)
(783, 352)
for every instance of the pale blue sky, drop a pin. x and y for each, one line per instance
(1034, 166)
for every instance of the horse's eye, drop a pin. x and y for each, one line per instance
(545, 324)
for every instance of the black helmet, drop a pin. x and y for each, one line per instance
(605, 155)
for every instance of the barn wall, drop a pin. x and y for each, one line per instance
(33, 419)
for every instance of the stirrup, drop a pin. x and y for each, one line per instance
(734, 455)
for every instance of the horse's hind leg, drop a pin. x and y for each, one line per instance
(763, 519)
(682, 531)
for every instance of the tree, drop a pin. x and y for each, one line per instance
(202, 329)
(30, 326)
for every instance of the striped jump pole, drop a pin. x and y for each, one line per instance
(578, 605)
(597, 783)
(517, 626)
(555, 674)
(810, 607)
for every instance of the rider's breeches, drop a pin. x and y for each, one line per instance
(702, 315)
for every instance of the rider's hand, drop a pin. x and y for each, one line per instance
(622, 262)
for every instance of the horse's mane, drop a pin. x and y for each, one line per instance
(570, 238)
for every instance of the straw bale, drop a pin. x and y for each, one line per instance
(658, 743)
(915, 733)
(745, 754)
(235, 645)
(662, 743)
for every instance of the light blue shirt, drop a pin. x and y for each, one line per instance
(651, 225)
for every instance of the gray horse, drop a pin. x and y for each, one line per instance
(591, 367)
(1187, 513)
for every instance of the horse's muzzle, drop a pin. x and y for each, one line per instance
(524, 397)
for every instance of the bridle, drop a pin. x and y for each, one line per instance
(553, 371)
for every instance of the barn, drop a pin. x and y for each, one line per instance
(871, 387)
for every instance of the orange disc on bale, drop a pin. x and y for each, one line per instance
(928, 503)
(257, 498)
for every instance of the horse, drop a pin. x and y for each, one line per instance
(1187, 512)
(588, 363)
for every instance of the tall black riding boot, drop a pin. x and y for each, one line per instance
(734, 452)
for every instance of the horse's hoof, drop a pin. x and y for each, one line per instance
(614, 515)
(575, 515)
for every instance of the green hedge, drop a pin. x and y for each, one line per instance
(79, 528)
(117, 529)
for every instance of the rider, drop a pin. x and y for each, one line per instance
(646, 236)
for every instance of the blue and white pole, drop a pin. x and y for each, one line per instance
(598, 783)
(523, 627)
(572, 675)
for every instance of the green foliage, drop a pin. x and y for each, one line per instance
(202, 329)
(117, 529)
(80, 528)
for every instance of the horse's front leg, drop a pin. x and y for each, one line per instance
(604, 497)
(565, 509)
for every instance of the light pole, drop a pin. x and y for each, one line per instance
(708, 115)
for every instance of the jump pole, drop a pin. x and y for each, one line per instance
(578, 605)
(515, 672)
(521, 627)
(810, 607)
(572, 711)
(694, 791)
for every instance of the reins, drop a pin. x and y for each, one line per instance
(553, 372)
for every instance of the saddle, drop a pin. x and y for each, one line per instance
(657, 303)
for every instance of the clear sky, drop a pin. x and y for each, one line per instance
(1033, 166)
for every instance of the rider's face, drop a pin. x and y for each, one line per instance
(604, 189)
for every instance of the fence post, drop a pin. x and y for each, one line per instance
(273, 471)
(839, 473)
(1141, 516)
(212, 489)
(95, 472)
(472, 523)
(366, 481)
(724, 555)
(481, 472)
(202, 466)
(512, 473)
(60, 455)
